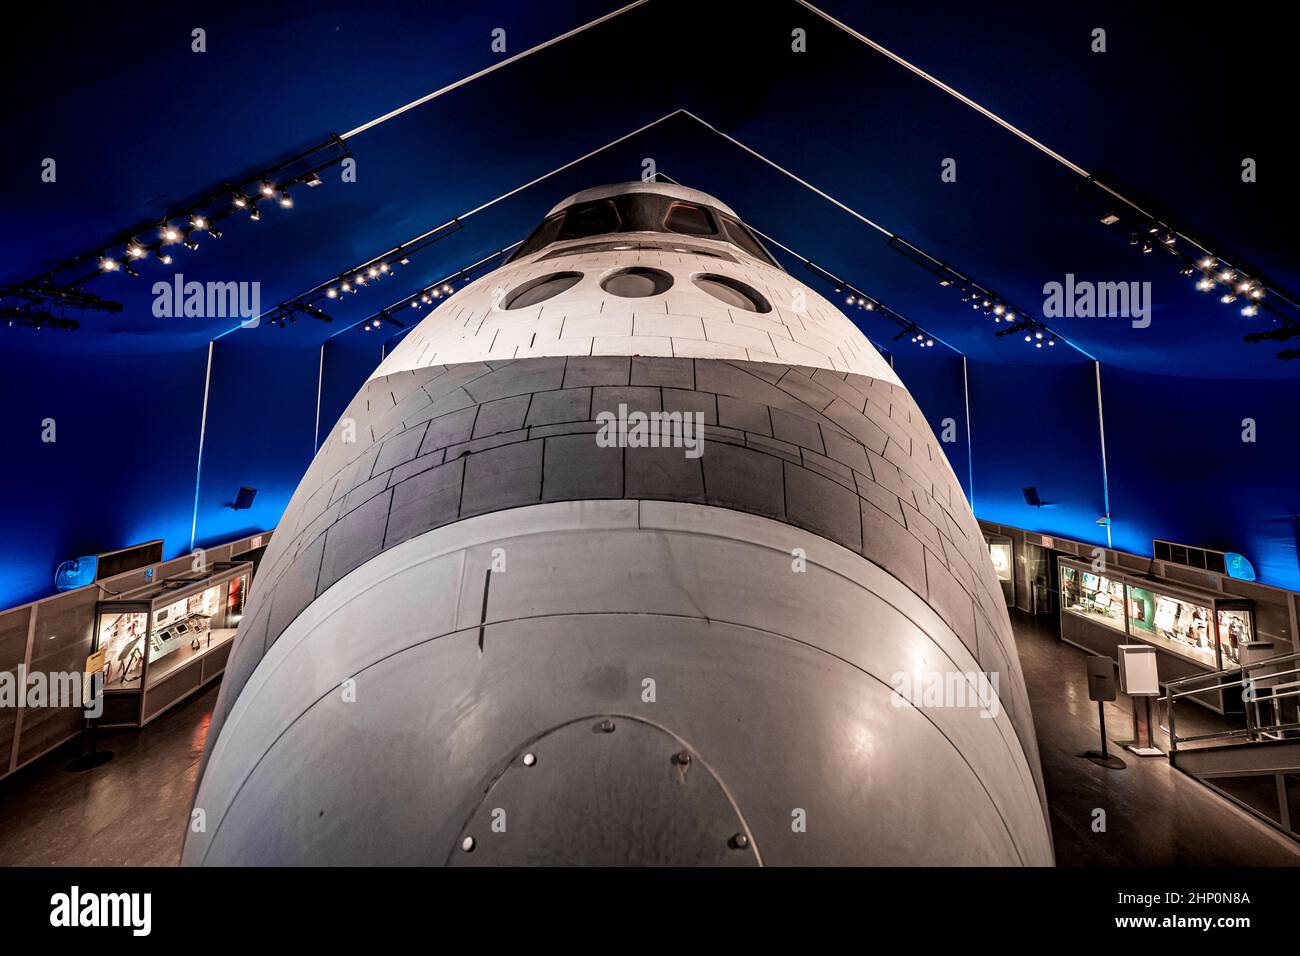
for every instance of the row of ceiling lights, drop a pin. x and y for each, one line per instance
(171, 234)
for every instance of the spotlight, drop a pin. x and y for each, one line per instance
(240, 201)
(332, 293)
(267, 188)
(1205, 285)
(346, 286)
(998, 310)
(1225, 276)
(165, 258)
(254, 213)
(1109, 219)
(1225, 299)
(447, 289)
(1038, 335)
(1250, 310)
(198, 222)
(171, 234)
(373, 272)
(375, 323)
(286, 201)
(871, 306)
(136, 251)
(404, 261)
(945, 282)
(313, 180)
(1051, 341)
(1029, 338)
(1207, 263)
(107, 264)
(190, 244)
(1146, 247)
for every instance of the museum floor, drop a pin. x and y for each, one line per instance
(132, 810)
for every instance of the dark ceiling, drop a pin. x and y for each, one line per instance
(139, 125)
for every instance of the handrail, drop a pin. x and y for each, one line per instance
(1248, 677)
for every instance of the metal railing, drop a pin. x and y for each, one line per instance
(1265, 686)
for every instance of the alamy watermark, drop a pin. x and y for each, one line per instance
(956, 689)
(651, 430)
(1088, 300)
(56, 689)
(207, 300)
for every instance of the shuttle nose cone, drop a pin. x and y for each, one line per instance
(626, 554)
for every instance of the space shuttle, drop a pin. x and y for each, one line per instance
(635, 551)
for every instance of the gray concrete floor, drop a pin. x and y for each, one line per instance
(133, 810)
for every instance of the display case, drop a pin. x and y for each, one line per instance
(1001, 553)
(1094, 596)
(165, 640)
(1192, 632)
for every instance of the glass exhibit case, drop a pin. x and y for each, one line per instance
(1192, 631)
(1001, 553)
(166, 639)
(1094, 596)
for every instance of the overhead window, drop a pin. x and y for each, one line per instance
(590, 219)
(542, 236)
(738, 233)
(689, 219)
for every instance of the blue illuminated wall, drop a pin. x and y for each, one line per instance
(349, 360)
(123, 467)
(1037, 425)
(934, 379)
(120, 471)
(1179, 469)
(261, 425)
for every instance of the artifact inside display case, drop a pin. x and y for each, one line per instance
(1176, 624)
(1001, 555)
(169, 634)
(1235, 631)
(1093, 596)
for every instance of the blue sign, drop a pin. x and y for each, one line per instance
(76, 573)
(1239, 567)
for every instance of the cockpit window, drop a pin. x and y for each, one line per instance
(689, 219)
(640, 212)
(590, 219)
(738, 233)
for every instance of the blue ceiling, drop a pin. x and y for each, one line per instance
(138, 124)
